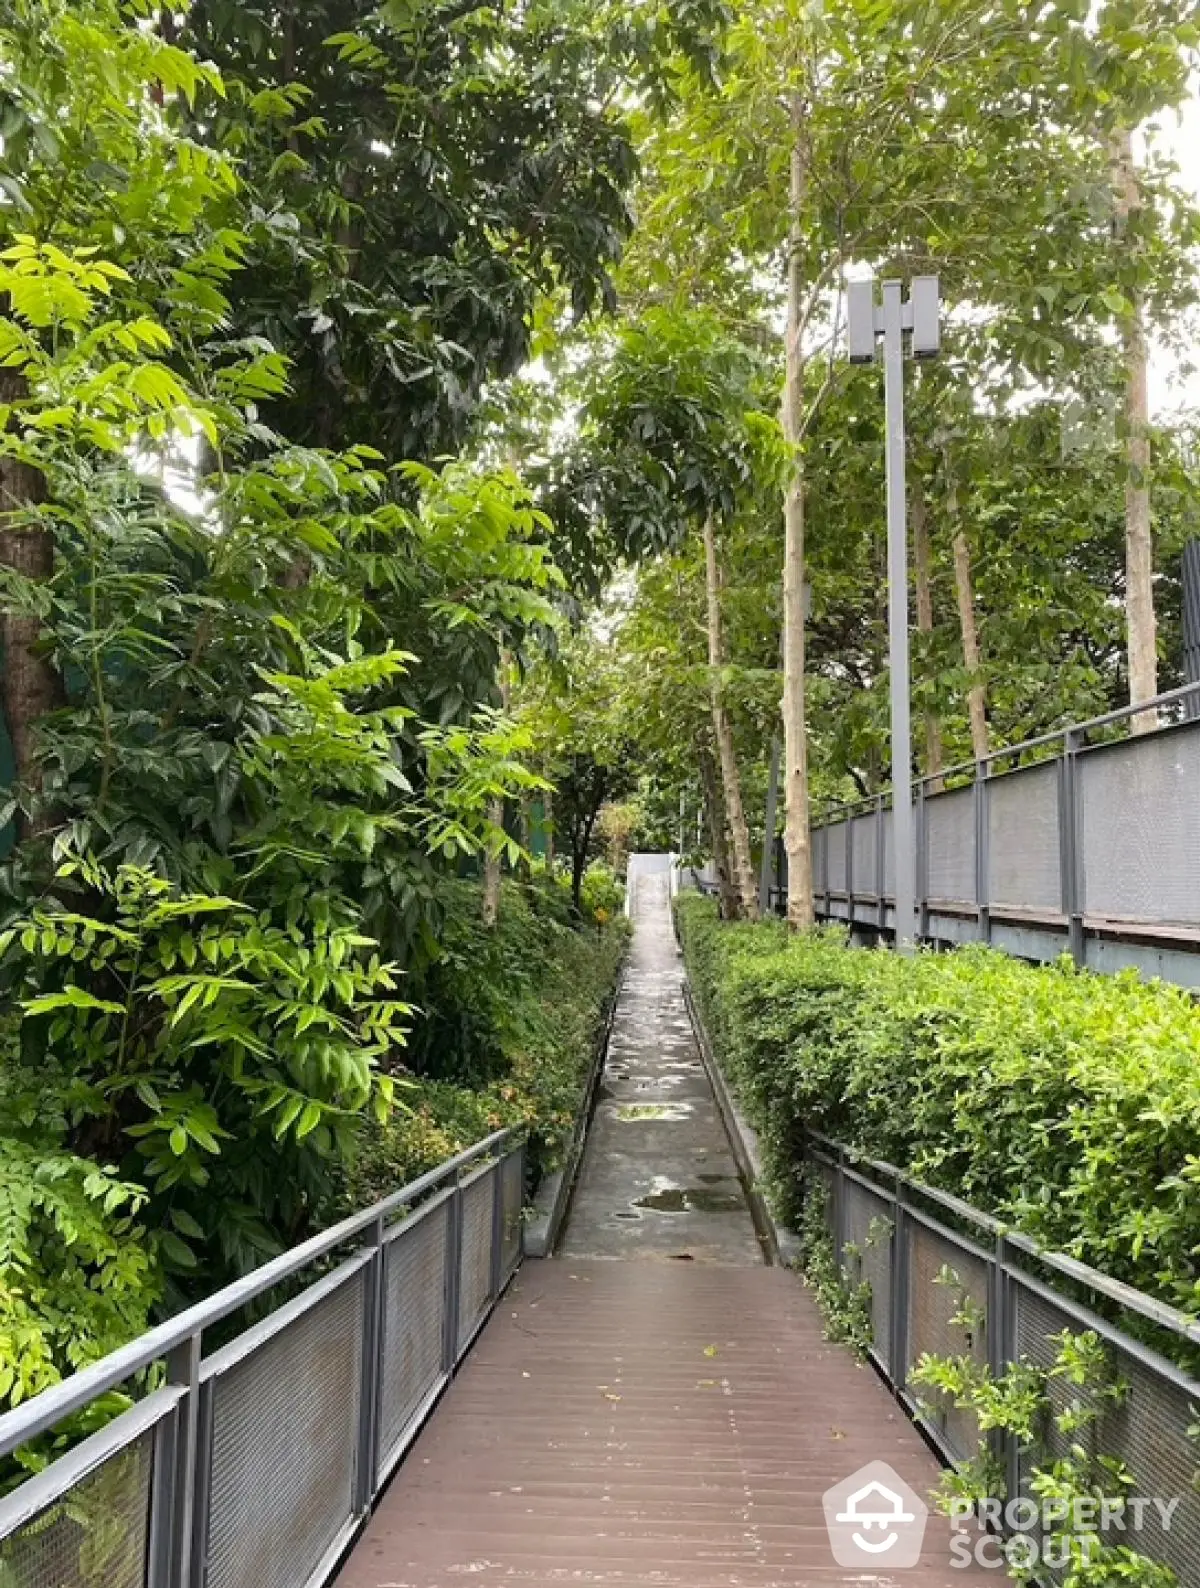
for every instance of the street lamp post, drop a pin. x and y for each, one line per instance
(866, 321)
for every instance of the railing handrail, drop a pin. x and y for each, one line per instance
(71, 1394)
(1160, 1312)
(836, 813)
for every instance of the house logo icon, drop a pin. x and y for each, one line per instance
(875, 1519)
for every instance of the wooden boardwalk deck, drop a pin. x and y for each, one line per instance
(645, 1425)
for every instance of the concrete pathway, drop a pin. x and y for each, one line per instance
(650, 1424)
(658, 1178)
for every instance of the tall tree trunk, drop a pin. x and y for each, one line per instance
(548, 829)
(968, 625)
(731, 782)
(923, 566)
(715, 812)
(31, 687)
(1139, 547)
(796, 839)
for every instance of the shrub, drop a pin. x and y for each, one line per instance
(1063, 1101)
(518, 1012)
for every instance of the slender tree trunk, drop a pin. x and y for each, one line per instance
(731, 782)
(715, 812)
(965, 593)
(548, 829)
(797, 841)
(923, 567)
(1139, 546)
(31, 687)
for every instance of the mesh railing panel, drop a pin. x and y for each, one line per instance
(951, 850)
(95, 1537)
(867, 1227)
(285, 1423)
(1140, 840)
(836, 856)
(1147, 1430)
(1023, 850)
(476, 1269)
(512, 1190)
(944, 1281)
(414, 1322)
(863, 836)
(820, 860)
(889, 854)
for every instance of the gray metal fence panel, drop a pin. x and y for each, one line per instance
(95, 1537)
(836, 856)
(1147, 1429)
(863, 838)
(475, 1284)
(1140, 835)
(512, 1191)
(889, 853)
(284, 1437)
(414, 1323)
(946, 1284)
(1023, 848)
(951, 819)
(867, 1228)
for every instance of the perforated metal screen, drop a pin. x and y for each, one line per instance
(1147, 1429)
(285, 1422)
(1140, 837)
(1023, 847)
(475, 1284)
(946, 1283)
(836, 856)
(95, 1537)
(512, 1182)
(414, 1321)
(863, 836)
(951, 819)
(867, 1228)
(889, 853)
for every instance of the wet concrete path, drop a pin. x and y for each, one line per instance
(658, 1177)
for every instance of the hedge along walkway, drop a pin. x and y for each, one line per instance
(666, 1422)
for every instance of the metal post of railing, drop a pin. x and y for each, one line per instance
(922, 841)
(880, 877)
(523, 1150)
(898, 1346)
(370, 1370)
(173, 1507)
(839, 1205)
(996, 1324)
(454, 1224)
(496, 1277)
(1069, 847)
(848, 842)
(982, 791)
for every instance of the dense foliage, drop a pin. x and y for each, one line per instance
(1066, 1102)
(514, 1017)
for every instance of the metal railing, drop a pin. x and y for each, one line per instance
(251, 1466)
(947, 1280)
(1061, 843)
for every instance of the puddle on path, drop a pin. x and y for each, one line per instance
(632, 1113)
(691, 1199)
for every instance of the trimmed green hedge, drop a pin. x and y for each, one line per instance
(1065, 1102)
